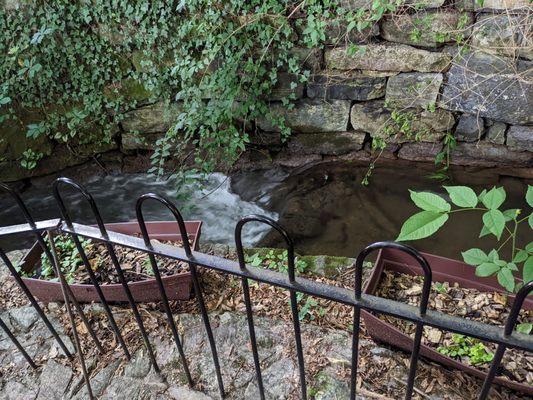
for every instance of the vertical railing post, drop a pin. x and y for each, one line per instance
(46, 250)
(508, 330)
(157, 275)
(118, 269)
(79, 350)
(94, 280)
(196, 285)
(292, 294)
(422, 309)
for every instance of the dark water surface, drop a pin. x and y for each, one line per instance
(328, 211)
(325, 208)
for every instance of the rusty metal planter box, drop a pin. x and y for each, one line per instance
(177, 287)
(444, 270)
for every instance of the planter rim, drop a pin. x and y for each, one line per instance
(147, 288)
(402, 262)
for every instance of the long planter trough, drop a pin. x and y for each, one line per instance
(444, 270)
(177, 287)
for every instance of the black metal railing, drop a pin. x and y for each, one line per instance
(421, 316)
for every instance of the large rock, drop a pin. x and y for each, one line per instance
(374, 118)
(503, 34)
(60, 158)
(311, 116)
(155, 118)
(480, 154)
(387, 57)
(346, 87)
(413, 89)
(327, 143)
(427, 29)
(491, 89)
(520, 138)
(469, 129)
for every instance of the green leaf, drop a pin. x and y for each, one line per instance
(512, 266)
(529, 195)
(484, 231)
(527, 273)
(486, 269)
(482, 194)
(510, 214)
(493, 255)
(462, 196)
(524, 328)
(520, 256)
(422, 225)
(506, 279)
(530, 220)
(494, 198)
(429, 201)
(475, 256)
(529, 247)
(495, 222)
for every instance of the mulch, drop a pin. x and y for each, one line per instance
(135, 264)
(487, 307)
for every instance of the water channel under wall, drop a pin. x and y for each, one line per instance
(324, 207)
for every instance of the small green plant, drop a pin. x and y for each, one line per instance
(442, 159)
(441, 287)
(276, 261)
(525, 328)
(503, 224)
(70, 259)
(463, 346)
(30, 158)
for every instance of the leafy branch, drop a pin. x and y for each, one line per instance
(437, 211)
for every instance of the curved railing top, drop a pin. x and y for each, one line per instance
(269, 221)
(172, 208)
(401, 247)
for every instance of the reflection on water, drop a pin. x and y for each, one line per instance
(213, 203)
(328, 211)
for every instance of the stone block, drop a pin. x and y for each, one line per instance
(310, 116)
(327, 143)
(387, 57)
(310, 59)
(155, 118)
(520, 138)
(503, 34)
(286, 85)
(469, 129)
(496, 132)
(372, 117)
(427, 29)
(413, 89)
(346, 87)
(477, 85)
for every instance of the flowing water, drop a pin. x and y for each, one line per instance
(324, 208)
(213, 203)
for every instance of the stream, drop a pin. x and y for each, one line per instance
(324, 208)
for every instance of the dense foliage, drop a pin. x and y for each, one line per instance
(73, 68)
